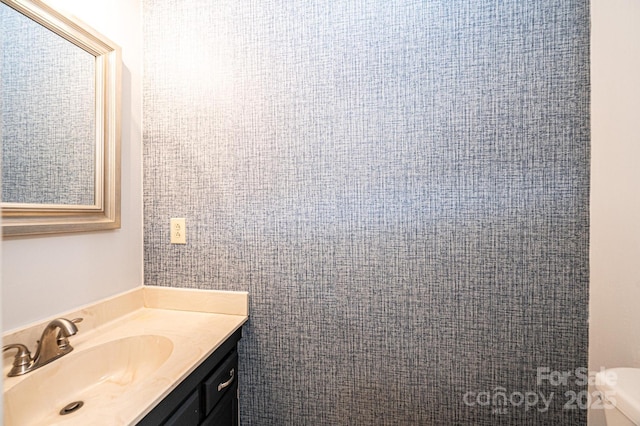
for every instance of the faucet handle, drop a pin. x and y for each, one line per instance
(22, 360)
(62, 340)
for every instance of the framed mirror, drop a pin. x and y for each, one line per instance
(60, 123)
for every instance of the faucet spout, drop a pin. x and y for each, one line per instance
(49, 346)
(67, 328)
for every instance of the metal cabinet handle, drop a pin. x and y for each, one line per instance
(228, 382)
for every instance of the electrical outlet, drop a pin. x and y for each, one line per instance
(178, 230)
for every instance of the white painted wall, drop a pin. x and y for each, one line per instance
(614, 336)
(43, 276)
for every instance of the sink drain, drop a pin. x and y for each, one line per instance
(72, 407)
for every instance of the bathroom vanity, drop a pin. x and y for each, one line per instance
(150, 356)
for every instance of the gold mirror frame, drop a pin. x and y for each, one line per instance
(37, 219)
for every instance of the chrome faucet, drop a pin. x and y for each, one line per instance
(53, 344)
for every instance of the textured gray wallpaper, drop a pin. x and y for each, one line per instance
(402, 186)
(48, 103)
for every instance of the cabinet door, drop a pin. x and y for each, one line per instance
(226, 411)
(188, 414)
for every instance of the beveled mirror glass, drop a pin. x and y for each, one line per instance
(60, 126)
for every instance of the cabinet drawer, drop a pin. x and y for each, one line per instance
(220, 381)
(188, 413)
(226, 411)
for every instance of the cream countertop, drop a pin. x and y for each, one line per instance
(196, 321)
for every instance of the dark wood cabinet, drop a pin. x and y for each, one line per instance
(226, 410)
(208, 396)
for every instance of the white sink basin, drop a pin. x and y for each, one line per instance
(96, 376)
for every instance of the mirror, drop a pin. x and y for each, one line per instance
(60, 126)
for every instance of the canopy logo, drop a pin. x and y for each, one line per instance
(500, 401)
